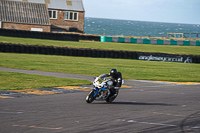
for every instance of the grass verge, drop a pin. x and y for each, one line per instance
(131, 69)
(170, 49)
(18, 81)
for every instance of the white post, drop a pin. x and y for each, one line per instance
(0, 24)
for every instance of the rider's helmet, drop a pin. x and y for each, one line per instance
(113, 72)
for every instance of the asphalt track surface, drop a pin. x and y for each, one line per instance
(146, 107)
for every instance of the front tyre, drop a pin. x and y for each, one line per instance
(90, 97)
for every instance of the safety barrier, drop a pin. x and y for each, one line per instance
(96, 53)
(50, 50)
(39, 35)
(149, 41)
(89, 37)
(48, 35)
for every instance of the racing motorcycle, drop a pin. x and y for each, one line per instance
(101, 90)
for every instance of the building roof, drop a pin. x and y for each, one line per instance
(23, 12)
(72, 5)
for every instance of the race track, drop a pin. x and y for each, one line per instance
(146, 107)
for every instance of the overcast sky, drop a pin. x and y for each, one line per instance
(175, 11)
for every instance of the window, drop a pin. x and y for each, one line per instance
(69, 3)
(47, 2)
(66, 15)
(75, 16)
(53, 14)
(71, 16)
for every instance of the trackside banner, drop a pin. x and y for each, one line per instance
(162, 57)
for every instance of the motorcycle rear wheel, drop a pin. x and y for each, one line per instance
(111, 98)
(90, 97)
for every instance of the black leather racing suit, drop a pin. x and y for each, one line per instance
(117, 82)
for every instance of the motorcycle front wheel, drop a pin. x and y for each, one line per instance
(90, 97)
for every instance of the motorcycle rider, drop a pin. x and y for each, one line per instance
(117, 81)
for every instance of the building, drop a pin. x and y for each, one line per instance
(66, 15)
(60, 15)
(24, 16)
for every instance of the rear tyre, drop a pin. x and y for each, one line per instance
(112, 97)
(90, 97)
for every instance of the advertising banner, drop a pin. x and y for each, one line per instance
(164, 57)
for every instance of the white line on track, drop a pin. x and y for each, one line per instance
(11, 112)
(149, 123)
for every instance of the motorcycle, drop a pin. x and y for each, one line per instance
(101, 90)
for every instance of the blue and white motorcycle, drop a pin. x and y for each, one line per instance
(101, 90)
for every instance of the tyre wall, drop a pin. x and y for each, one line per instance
(96, 53)
(39, 35)
(48, 35)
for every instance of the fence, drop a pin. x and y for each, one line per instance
(183, 35)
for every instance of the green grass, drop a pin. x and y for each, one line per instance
(131, 69)
(188, 50)
(16, 81)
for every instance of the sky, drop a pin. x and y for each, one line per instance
(172, 11)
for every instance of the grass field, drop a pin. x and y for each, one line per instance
(131, 69)
(188, 50)
(16, 81)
